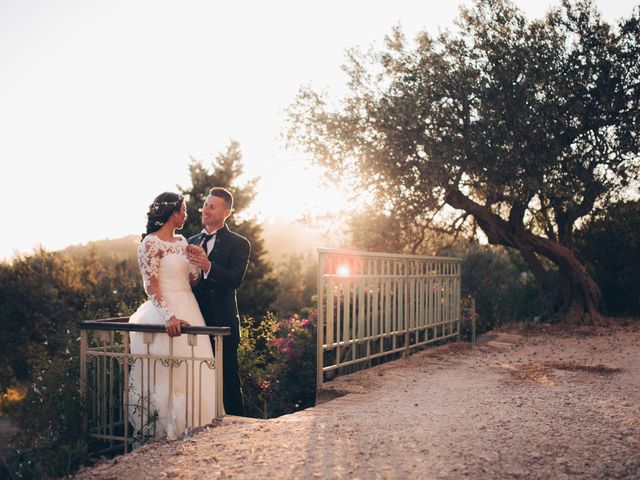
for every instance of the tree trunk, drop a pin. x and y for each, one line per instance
(550, 301)
(579, 295)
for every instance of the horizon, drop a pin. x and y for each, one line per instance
(309, 238)
(105, 105)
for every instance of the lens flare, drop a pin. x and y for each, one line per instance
(343, 271)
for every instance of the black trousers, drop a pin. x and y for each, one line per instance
(232, 394)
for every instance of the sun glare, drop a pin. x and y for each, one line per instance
(343, 271)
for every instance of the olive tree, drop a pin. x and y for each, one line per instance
(516, 127)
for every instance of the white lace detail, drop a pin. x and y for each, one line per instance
(151, 250)
(194, 273)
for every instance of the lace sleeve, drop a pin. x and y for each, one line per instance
(149, 255)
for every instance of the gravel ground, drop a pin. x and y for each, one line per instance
(542, 404)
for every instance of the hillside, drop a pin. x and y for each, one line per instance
(118, 247)
(281, 238)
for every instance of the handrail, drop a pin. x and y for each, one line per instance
(113, 324)
(364, 253)
(107, 363)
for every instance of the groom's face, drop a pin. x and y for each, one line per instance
(214, 212)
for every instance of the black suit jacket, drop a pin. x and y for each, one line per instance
(216, 294)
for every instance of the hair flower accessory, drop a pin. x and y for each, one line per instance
(158, 205)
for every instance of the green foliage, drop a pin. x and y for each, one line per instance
(38, 295)
(504, 288)
(258, 289)
(43, 297)
(376, 230)
(44, 294)
(505, 109)
(297, 276)
(609, 246)
(50, 443)
(277, 365)
(256, 360)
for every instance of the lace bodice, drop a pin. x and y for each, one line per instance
(164, 267)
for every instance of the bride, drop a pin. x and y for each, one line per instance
(167, 397)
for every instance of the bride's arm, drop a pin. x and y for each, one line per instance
(149, 255)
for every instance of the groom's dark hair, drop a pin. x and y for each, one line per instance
(224, 194)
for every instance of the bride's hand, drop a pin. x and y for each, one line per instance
(197, 257)
(173, 327)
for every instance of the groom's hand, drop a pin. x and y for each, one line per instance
(198, 257)
(173, 326)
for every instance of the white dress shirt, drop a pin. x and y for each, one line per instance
(210, 243)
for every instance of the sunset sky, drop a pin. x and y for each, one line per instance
(104, 103)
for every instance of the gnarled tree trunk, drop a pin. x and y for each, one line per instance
(578, 295)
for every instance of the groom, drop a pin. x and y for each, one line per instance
(222, 255)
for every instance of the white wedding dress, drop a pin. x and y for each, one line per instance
(168, 397)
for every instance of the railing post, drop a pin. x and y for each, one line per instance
(320, 325)
(459, 337)
(406, 309)
(83, 378)
(473, 320)
(219, 377)
(125, 392)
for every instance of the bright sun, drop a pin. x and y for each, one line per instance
(343, 271)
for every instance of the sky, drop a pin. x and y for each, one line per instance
(103, 104)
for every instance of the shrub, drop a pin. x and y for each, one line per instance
(42, 298)
(609, 247)
(277, 365)
(504, 288)
(297, 276)
(50, 441)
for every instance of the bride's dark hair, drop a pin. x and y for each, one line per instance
(163, 206)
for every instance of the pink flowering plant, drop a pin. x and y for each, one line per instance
(277, 365)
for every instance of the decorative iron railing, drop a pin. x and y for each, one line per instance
(112, 402)
(372, 305)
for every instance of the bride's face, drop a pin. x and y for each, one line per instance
(180, 217)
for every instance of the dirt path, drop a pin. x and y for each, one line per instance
(559, 406)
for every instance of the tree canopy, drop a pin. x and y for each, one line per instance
(518, 127)
(259, 287)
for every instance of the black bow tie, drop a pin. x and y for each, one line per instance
(205, 240)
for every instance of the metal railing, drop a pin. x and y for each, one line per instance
(469, 315)
(112, 402)
(372, 305)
